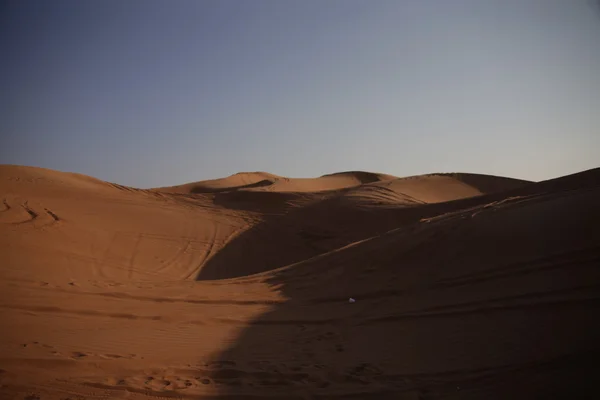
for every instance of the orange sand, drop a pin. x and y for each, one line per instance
(467, 287)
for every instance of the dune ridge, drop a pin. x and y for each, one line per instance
(467, 286)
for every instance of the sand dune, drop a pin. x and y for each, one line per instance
(85, 229)
(264, 181)
(233, 182)
(467, 286)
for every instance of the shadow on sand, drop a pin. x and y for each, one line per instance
(443, 310)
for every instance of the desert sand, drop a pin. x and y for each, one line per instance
(467, 287)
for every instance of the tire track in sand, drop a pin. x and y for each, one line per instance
(574, 257)
(6, 206)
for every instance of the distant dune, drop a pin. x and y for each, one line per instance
(467, 286)
(274, 183)
(234, 182)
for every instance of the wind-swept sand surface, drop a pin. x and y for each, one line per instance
(467, 287)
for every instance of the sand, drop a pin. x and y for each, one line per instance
(467, 287)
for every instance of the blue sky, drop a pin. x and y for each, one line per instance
(152, 93)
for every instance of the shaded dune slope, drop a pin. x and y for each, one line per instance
(334, 219)
(492, 300)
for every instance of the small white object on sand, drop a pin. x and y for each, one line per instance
(351, 300)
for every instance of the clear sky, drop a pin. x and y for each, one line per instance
(153, 93)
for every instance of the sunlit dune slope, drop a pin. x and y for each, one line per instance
(234, 182)
(433, 188)
(58, 226)
(262, 181)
